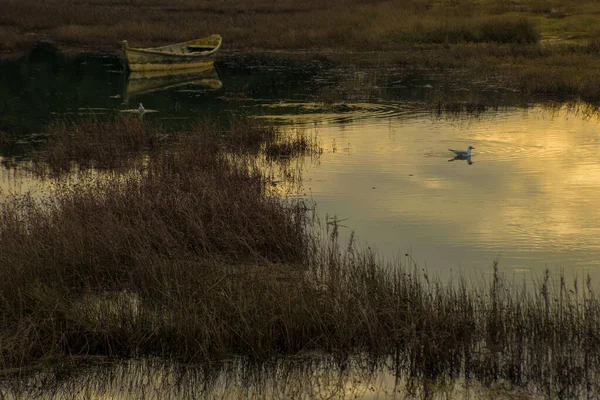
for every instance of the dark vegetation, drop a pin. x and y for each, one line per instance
(188, 255)
(541, 47)
(343, 24)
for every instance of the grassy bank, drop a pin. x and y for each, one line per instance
(547, 48)
(189, 255)
(344, 24)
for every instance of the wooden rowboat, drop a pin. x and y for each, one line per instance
(190, 54)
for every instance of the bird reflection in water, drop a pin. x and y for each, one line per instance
(466, 158)
(463, 155)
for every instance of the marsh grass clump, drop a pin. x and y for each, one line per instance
(290, 146)
(458, 107)
(239, 135)
(14, 40)
(188, 209)
(123, 142)
(483, 30)
(110, 143)
(568, 81)
(593, 46)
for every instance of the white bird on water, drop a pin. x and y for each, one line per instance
(463, 153)
(141, 109)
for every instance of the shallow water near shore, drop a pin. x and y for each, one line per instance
(294, 378)
(525, 198)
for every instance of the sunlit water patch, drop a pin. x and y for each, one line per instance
(528, 198)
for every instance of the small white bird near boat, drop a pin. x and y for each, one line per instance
(141, 109)
(463, 153)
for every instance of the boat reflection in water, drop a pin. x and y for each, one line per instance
(143, 82)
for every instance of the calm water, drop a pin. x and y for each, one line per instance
(528, 198)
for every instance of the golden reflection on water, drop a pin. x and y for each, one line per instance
(15, 181)
(530, 197)
(289, 378)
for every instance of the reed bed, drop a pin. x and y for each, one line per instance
(457, 108)
(96, 143)
(190, 256)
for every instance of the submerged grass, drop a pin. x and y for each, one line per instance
(189, 256)
(97, 144)
(457, 108)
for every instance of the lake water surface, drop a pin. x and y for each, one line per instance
(528, 197)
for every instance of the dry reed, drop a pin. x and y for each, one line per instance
(189, 256)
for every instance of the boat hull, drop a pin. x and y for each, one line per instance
(187, 55)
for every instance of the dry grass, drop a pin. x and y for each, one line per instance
(346, 24)
(542, 47)
(13, 40)
(98, 144)
(189, 256)
(559, 71)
